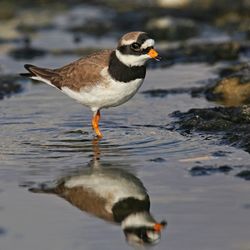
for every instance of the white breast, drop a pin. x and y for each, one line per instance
(111, 93)
(111, 187)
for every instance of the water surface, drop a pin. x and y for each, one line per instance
(45, 136)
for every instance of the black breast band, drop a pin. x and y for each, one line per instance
(123, 73)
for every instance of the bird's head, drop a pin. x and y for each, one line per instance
(136, 48)
(141, 228)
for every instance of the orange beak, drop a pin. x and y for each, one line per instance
(153, 53)
(158, 227)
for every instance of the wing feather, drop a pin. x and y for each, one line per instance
(82, 73)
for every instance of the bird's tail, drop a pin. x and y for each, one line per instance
(48, 188)
(48, 76)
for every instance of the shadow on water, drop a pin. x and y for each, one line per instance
(110, 193)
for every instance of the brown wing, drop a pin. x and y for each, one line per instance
(84, 199)
(84, 72)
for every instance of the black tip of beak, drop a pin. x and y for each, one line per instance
(164, 223)
(158, 58)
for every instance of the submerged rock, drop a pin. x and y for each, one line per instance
(231, 125)
(164, 92)
(209, 170)
(9, 85)
(245, 174)
(158, 159)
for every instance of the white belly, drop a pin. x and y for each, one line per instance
(105, 95)
(119, 187)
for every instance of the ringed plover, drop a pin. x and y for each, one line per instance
(104, 79)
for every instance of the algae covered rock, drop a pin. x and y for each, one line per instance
(231, 124)
(232, 90)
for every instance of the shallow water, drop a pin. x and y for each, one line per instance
(46, 136)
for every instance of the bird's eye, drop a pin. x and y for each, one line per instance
(135, 46)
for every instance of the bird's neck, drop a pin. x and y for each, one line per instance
(140, 219)
(125, 207)
(123, 73)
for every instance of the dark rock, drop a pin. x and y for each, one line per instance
(164, 92)
(220, 153)
(233, 68)
(208, 170)
(245, 174)
(198, 171)
(9, 85)
(232, 125)
(159, 159)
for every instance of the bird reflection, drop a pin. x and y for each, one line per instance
(112, 194)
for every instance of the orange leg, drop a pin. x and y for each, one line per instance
(95, 121)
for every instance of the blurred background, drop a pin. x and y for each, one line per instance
(186, 31)
(32, 29)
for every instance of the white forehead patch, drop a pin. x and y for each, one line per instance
(148, 43)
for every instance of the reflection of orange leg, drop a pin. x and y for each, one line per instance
(96, 150)
(95, 121)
